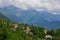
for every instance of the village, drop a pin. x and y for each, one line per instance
(28, 31)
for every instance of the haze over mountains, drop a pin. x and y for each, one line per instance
(40, 18)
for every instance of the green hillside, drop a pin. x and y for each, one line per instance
(13, 31)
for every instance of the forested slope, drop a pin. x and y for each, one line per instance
(10, 30)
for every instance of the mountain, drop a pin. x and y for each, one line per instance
(3, 17)
(31, 16)
(9, 31)
(6, 19)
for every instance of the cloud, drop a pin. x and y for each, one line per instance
(50, 5)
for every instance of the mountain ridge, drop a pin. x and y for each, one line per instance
(31, 16)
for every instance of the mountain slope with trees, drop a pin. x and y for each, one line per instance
(10, 30)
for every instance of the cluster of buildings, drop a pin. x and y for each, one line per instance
(28, 31)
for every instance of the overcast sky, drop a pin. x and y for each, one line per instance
(50, 5)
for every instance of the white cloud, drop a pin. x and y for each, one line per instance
(51, 5)
(0, 3)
